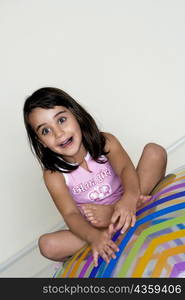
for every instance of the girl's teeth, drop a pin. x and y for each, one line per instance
(67, 142)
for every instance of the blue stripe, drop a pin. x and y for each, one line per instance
(181, 226)
(101, 261)
(112, 264)
(165, 199)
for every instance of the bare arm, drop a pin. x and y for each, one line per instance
(65, 204)
(122, 165)
(58, 190)
(124, 213)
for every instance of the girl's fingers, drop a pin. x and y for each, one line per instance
(95, 258)
(109, 251)
(121, 222)
(113, 246)
(105, 256)
(115, 217)
(126, 225)
(133, 220)
(111, 230)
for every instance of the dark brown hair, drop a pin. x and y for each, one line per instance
(93, 140)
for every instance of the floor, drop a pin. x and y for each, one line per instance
(49, 271)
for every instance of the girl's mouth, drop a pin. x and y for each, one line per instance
(66, 142)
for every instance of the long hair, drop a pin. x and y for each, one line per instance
(92, 139)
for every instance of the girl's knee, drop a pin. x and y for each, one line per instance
(156, 151)
(47, 246)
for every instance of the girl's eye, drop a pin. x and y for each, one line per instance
(45, 131)
(62, 119)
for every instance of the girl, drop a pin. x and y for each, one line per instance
(88, 174)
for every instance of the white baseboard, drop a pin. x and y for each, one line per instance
(28, 262)
(176, 145)
(28, 266)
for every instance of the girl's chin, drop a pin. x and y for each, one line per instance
(69, 157)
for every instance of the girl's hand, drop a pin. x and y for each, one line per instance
(103, 246)
(124, 215)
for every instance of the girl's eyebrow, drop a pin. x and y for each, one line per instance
(58, 113)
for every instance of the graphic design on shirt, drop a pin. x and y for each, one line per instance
(100, 192)
(92, 182)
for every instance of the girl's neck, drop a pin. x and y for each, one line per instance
(78, 158)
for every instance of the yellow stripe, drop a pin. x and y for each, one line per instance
(74, 270)
(141, 265)
(163, 183)
(166, 183)
(164, 256)
(72, 260)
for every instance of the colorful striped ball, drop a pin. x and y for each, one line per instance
(154, 247)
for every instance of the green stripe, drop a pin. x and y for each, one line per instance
(130, 258)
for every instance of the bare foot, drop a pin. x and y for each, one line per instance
(98, 215)
(143, 200)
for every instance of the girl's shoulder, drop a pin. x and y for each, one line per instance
(53, 178)
(111, 141)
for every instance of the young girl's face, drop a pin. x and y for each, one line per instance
(58, 129)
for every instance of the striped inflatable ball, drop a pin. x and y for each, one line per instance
(154, 247)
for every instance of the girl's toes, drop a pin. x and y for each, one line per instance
(86, 211)
(88, 214)
(93, 221)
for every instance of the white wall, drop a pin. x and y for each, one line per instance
(123, 60)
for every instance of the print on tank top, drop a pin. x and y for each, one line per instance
(97, 190)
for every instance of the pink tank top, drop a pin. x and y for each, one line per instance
(100, 186)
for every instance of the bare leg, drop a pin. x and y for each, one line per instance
(59, 245)
(151, 169)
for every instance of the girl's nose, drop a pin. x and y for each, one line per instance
(58, 132)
